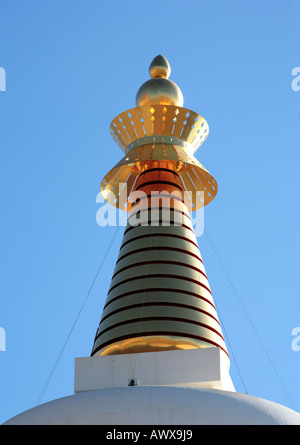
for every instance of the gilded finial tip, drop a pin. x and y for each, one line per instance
(159, 68)
(159, 89)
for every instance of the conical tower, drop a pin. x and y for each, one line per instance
(159, 298)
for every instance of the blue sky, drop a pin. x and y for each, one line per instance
(71, 67)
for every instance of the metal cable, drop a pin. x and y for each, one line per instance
(255, 331)
(231, 348)
(77, 317)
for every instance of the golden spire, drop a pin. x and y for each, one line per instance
(159, 297)
(159, 67)
(159, 89)
(177, 132)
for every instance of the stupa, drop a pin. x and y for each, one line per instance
(159, 356)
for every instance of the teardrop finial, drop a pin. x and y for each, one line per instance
(159, 67)
(159, 89)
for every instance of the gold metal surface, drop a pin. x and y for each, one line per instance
(159, 89)
(159, 67)
(159, 132)
(159, 120)
(196, 180)
(148, 344)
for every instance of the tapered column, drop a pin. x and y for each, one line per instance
(159, 298)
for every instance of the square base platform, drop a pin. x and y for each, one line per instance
(200, 368)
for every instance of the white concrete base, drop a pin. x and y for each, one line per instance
(175, 388)
(198, 368)
(158, 405)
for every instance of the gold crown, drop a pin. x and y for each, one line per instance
(177, 133)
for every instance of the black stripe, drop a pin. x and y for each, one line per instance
(159, 182)
(145, 319)
(159, 195)
(158, 289)
(159, 221)
(150, 248)
(159, 303)
(149, 209)
(163, 275)
(160, 170)
(168, 235)
(168, 262)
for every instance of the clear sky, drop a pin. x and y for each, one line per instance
(71, 67)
